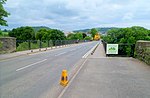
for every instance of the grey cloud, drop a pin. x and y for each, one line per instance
(60, 9)
(68, 14)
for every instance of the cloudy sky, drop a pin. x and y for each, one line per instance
(78, 14)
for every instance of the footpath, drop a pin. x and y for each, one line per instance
(109, 77)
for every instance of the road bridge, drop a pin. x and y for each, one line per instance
(37, 75)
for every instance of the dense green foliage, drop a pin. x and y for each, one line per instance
(33, 45)
(0, 32)
(3, 13)
(76, 36)
(23, 46)
(53, 34)
(4, 34)
(70, 36)
(57, 35)
(40, 35)
(23, 33)
(28, 33)
(84, 35)
(88, 38)
(93, 32)
(127, 37)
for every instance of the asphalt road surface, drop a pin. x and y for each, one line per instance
(37, 75)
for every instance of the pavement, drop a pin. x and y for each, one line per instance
(109, 77)
(37, 75)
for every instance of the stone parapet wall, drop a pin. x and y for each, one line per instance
(142, 51)
(7, 45)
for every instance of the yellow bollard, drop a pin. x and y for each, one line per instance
(64, 78)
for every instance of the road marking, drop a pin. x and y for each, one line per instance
(85, 56)
(31, 65)
(49, 50)
(60, 53)
(73, 49)
(64, 90)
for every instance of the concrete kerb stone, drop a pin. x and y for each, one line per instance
(32, 51)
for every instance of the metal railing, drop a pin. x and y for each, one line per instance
(124, 49)
(37, 44)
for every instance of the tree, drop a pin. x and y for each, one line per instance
(71, 36)
(23, 33)
(3, 13)
(78, 36)
(0, 33)
(57, 35)
(127, 36)
(41, 34)
(88, 38)
(28, 33)
(84, 35)
(93, 32)
(47, 35)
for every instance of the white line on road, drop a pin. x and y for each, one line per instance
(31, 65)
(73, 49)
(64, 90)
(85, 56)
(60, 53)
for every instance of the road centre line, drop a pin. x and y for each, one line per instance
(30, 65)
(60, 53)
(54, 50)
(73, 49)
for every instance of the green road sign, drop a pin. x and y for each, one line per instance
(112, 49)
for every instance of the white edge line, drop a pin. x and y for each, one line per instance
(30, 65)
(85, 56)
(62, 93)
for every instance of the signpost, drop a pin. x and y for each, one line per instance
(112, 49)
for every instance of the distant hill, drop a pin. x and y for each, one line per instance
(83, 30)
(37, 28)
(102, 30)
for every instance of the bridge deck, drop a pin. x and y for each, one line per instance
(110, 77)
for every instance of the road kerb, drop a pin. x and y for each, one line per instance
(33, 52)
(86, 55)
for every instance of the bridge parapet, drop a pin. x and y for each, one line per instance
(7, 44)
(142, 51)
